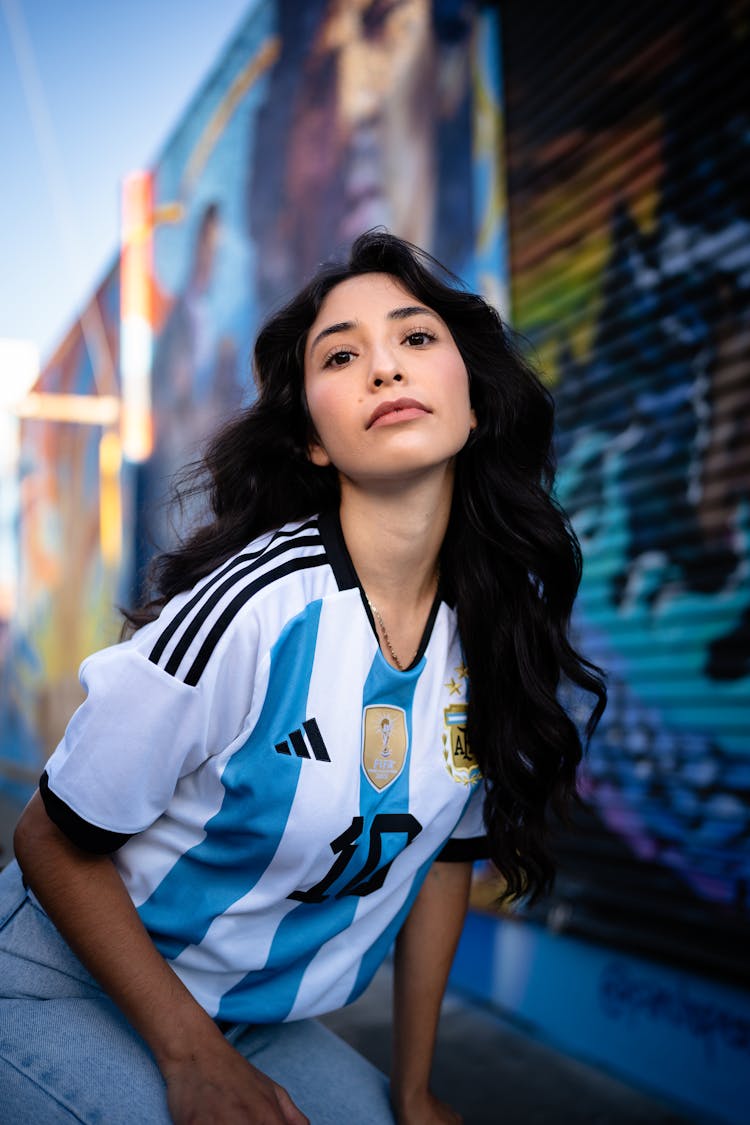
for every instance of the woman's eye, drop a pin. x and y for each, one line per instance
(338, 359)
(417, 339)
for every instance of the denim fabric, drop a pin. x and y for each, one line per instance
(68, 1055)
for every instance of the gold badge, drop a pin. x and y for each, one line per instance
(384, 744)
(459, 760)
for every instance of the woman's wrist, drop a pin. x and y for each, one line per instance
(175, 1025)
(187, 1033)
(414, 1106)
(407, 1091)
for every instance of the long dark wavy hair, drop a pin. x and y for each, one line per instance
(510, 562)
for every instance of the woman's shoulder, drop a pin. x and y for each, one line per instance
(234, 605)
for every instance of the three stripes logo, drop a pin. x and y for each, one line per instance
(295, 743)
(206, 616)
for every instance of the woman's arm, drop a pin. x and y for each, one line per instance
(424, 953)
(83, 894)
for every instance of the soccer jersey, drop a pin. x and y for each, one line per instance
(275, 789)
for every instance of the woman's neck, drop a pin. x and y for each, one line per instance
(394, 538)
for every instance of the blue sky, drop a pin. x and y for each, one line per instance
(114, 78)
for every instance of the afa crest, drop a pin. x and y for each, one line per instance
(384, 744)
(459, 760)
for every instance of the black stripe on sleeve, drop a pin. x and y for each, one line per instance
(86, 836)
(464, 851)
(256, 558)
(192, 630)
(307, 562)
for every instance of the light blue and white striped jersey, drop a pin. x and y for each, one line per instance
(275, 790)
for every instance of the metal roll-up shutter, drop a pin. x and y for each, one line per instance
(628, 128)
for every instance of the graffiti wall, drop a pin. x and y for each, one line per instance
(630, 265)
(320, 121)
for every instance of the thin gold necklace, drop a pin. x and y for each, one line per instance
(386, 638)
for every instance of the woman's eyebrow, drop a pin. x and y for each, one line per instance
(395, 314)
(411, 310)
(342, 326)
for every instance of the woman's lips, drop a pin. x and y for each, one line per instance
(402, 410)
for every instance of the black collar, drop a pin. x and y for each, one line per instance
(347, 578)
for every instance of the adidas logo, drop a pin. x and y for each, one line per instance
(300, 747)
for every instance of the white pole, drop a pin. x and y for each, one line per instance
(19, 370)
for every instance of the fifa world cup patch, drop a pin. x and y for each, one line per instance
(385, 742)
(459, 760)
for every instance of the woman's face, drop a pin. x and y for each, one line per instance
(386, 387)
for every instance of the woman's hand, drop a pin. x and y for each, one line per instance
(220, 1087)
(208, 1082)
(426, 1109)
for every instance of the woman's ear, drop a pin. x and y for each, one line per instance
(317, 454)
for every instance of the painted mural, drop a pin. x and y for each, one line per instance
(320, 121)
(325, 119)
(630, 235)
(68, 588)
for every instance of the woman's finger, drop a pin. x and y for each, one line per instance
(292, 1115)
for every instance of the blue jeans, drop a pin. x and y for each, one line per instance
(68, 1055)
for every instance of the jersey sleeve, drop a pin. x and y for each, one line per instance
(468, 841)
(139, 730)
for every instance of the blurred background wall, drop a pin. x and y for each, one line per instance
(620, 134)
(627, 135)
(630, 275)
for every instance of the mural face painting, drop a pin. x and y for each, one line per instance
(368, 122)
(345, 130)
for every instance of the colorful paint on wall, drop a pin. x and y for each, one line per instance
(630, 235)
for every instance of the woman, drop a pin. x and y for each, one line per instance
(281, 771)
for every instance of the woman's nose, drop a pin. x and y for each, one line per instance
(385, 369)
(396, 378)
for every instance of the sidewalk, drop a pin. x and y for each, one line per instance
(495, 1074)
